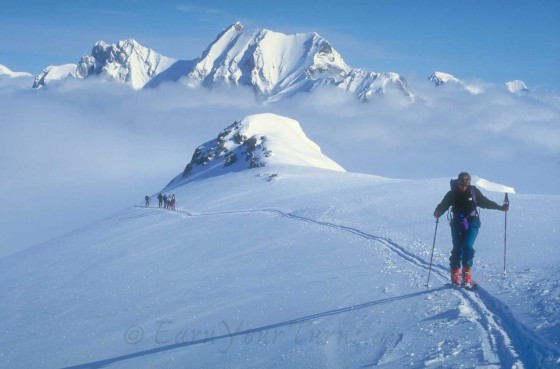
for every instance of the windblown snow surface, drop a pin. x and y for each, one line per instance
(287, 266)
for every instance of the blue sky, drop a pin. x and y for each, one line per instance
(491, 40)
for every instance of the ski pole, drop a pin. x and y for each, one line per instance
(506, 202)
(432, 257)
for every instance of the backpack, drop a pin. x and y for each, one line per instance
(463, 220)
(453, 184)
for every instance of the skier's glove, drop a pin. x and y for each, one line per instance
(437, 214)
(505, 207)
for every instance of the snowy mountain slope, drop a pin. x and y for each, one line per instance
(316, 268)
(272, 63)
(126, 61)
(259, 140)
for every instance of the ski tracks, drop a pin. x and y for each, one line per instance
(507, 340)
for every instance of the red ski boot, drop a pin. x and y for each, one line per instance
(455, 277)
(467, 280)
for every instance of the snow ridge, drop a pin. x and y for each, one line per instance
(240, 262)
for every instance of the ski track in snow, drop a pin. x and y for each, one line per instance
(508, 341)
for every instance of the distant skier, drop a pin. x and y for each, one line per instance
(160, 199)
(147, 199)
(465, 222)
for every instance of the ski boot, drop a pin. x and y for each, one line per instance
(455, 277)
(467, 280)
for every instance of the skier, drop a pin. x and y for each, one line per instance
(465, 222)
(147, 199)
(160, 199)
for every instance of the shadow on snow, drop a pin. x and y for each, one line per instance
(105, 362)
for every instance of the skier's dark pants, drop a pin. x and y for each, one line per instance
(463, 242)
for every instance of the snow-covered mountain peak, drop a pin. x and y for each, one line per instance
(235, 27)
(126, 61)
(440, 78)
(273, 64)
(446, 79)
(260, 140)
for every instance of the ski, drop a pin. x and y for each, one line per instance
(473, 286)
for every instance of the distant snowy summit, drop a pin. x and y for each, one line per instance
(260, 140)
(273, 64)
(441, 78)
(517, 87)
(127, 62)
(276, 64)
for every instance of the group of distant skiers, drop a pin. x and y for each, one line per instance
(164, 201)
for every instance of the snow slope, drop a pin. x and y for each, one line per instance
(286, 266)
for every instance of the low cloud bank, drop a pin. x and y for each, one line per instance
(80, 150)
